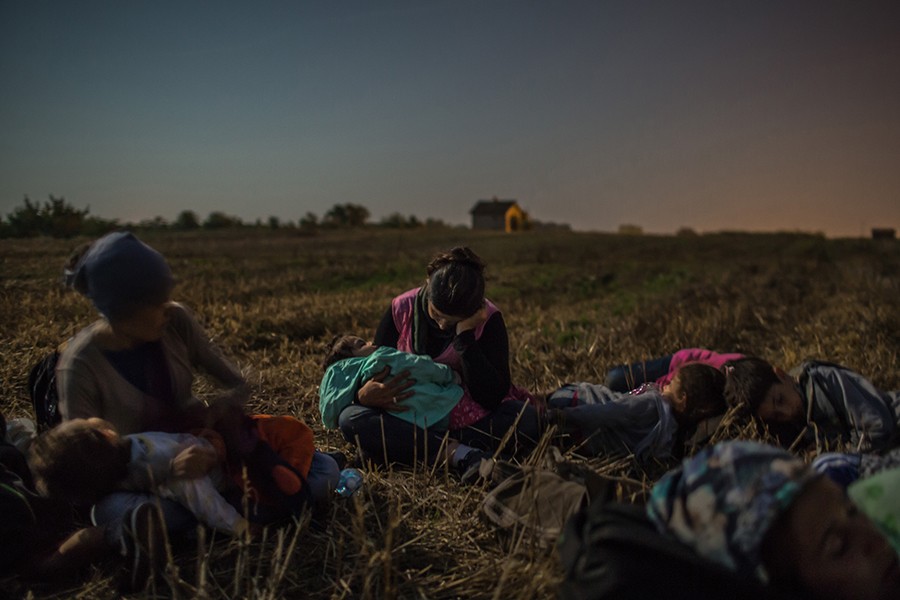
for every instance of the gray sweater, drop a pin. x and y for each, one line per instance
(90, 386)
(606, 422)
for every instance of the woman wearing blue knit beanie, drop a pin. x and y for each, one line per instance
(134, 367)
(121, 274)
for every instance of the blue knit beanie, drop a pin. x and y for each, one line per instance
(120, 273)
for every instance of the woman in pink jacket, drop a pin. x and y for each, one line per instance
(449, 320)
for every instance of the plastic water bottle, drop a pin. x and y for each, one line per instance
(20, 433)
(350, 481)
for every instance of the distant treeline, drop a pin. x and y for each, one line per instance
(58, 218)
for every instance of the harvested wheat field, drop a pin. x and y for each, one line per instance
(575, 304)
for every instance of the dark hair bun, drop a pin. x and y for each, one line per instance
(462, 256)
(456, 282)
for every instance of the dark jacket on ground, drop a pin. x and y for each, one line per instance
(844, 407)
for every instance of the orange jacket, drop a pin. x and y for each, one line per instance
(292, 440)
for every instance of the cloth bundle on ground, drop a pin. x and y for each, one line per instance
(602, 421)
(539, 498)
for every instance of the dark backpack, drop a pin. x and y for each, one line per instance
(30, 524)
(613, 551)
(18, 520)
(42, 389)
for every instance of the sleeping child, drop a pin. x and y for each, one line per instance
(83, 460)
(830, 405)
(648, 422)
(351, 361)
(274, 462)
(661, 370)
(762, 513)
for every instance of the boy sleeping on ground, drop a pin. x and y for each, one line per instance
(648, 422)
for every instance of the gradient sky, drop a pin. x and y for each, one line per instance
(759, 115)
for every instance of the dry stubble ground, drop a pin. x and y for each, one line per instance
(574, 304)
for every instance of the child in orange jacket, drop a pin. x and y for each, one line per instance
(275, 466)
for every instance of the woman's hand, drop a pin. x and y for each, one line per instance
(193, 462)
(386, 394)
(472, 322)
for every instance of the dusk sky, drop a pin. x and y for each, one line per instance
(760, 115)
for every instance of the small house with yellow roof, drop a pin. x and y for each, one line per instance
(499, 215)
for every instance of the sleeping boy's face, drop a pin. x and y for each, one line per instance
(783, 403)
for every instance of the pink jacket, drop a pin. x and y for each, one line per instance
(700, 355)
(467, 411)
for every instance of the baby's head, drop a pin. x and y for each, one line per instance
(346, 346)
(759, 511)
(768, 393)
(80, 460)
(696, 392)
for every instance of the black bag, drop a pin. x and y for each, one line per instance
(42, 389)
(17, 522)
(613, 551)
(30, 524)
